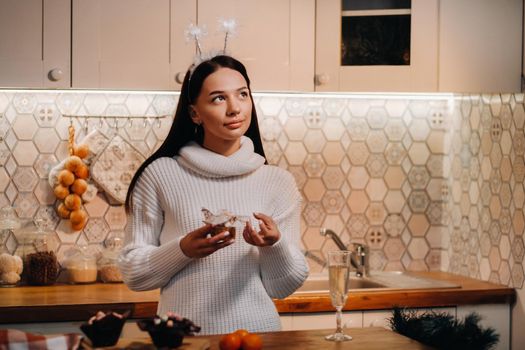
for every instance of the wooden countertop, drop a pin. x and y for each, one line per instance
(472, 291)
(362, 339)
(79, 302)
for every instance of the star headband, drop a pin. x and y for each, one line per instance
(197, 33)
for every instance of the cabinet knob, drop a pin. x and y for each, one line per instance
(322, 79)
(55, 74)
(179, 77)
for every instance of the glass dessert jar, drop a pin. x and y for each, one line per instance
(10, 270)
(9, 222)
(10, 265)
(108, 269)
(81, 266)
(38, 254)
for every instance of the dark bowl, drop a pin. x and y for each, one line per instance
(162, 336)
(104, 332)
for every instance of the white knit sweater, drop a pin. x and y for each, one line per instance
(231, 288)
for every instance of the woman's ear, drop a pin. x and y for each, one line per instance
(194, 116)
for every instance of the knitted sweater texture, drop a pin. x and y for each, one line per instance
(233, 287)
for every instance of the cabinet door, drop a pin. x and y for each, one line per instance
(121, 44)
(286, 322)
(183, 12)
(480, 45)
(275, 39)
(381, 318)
(497, 316)
(377, 318)
(34, 43)
(326, 320)
(419, 75)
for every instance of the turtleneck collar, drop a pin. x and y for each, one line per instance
(210, 164)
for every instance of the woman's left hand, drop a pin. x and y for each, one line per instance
(267, 236)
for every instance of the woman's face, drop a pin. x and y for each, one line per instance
(224, 109)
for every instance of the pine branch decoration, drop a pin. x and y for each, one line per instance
(443, 331)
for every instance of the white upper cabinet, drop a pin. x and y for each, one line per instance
(275, 39)
(287, 45)
(376, 46)
(140, 44)
(35, 43)
(183, 12)
(454, 45)
(480, 45)
(121, 44)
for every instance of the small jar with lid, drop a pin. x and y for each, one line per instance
(10, 265)
(81, 266)
(38, 252)
(108, 269)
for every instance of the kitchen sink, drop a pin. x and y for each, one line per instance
(403, 280)
(318, 283)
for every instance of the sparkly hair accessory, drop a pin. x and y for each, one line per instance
(197, 33)
(229, 27)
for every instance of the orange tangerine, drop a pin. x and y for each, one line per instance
(73, 201)
(66, 177)
(230, 342)
(251, 341)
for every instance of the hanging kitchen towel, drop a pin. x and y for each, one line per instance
(96, 141)
(114, 167)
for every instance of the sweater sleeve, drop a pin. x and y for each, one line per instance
(144, 263)
(283, 265)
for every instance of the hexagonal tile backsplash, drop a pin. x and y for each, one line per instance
(427, 182)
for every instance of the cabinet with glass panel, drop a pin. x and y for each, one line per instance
(381, 45)
(419, 45)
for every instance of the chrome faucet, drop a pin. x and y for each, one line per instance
(361, 251)
(359, 256)
(311, 255)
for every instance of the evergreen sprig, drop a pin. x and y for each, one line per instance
(443, 331)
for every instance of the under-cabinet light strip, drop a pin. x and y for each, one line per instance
(356, 95)
(359, 95)
(381, 12)
(117, 116)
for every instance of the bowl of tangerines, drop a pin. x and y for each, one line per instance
(241, 339)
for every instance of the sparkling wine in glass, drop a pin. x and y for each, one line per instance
(338, 273)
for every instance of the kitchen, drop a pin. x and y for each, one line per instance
(429, 175)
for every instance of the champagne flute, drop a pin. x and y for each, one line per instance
(338, 273)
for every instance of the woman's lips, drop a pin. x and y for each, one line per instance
(234, 125)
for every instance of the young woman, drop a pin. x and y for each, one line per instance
(213, 158)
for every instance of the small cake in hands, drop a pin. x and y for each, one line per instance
(221, 228)
(104, 329)
(223, 221)
(168, 331)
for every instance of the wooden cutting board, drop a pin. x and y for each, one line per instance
(363, 339)
(144, 343)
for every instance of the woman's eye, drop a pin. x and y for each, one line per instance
(244, 94)
(218, 98)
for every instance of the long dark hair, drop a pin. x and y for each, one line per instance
(183, 129)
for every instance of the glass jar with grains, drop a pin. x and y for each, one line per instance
(38, 253)
(81, 265)
(107, 264)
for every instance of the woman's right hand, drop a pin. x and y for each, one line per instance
(197, 244)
